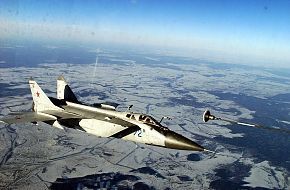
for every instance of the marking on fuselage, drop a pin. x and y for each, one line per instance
(138, 133)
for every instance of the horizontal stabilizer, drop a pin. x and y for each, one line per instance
(27, 117)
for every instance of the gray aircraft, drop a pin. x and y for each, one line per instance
(102, 120)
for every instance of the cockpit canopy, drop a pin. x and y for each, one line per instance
(144, 118)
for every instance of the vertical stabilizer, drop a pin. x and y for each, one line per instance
(64, 92)
(41, 101)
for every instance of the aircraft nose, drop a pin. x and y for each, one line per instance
(177, 141)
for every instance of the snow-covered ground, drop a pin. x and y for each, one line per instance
(35, 156)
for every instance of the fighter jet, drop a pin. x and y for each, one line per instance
(102, 120)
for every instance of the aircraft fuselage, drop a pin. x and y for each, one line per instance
(150, 131)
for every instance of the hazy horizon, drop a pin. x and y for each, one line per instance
(247, 32)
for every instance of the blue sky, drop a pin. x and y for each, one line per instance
(240, 31)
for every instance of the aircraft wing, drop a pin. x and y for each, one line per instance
(87, 114)
(27, 117)
(119, 121)
(52, 115)
(104, 117)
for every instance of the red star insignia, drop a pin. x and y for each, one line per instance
(37, 94)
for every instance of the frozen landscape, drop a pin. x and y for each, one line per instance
(42, 157)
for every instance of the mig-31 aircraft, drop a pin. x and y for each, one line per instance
(102, 120)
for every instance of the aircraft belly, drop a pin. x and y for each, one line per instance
(100, 128)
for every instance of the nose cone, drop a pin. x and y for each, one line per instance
(176, 141)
